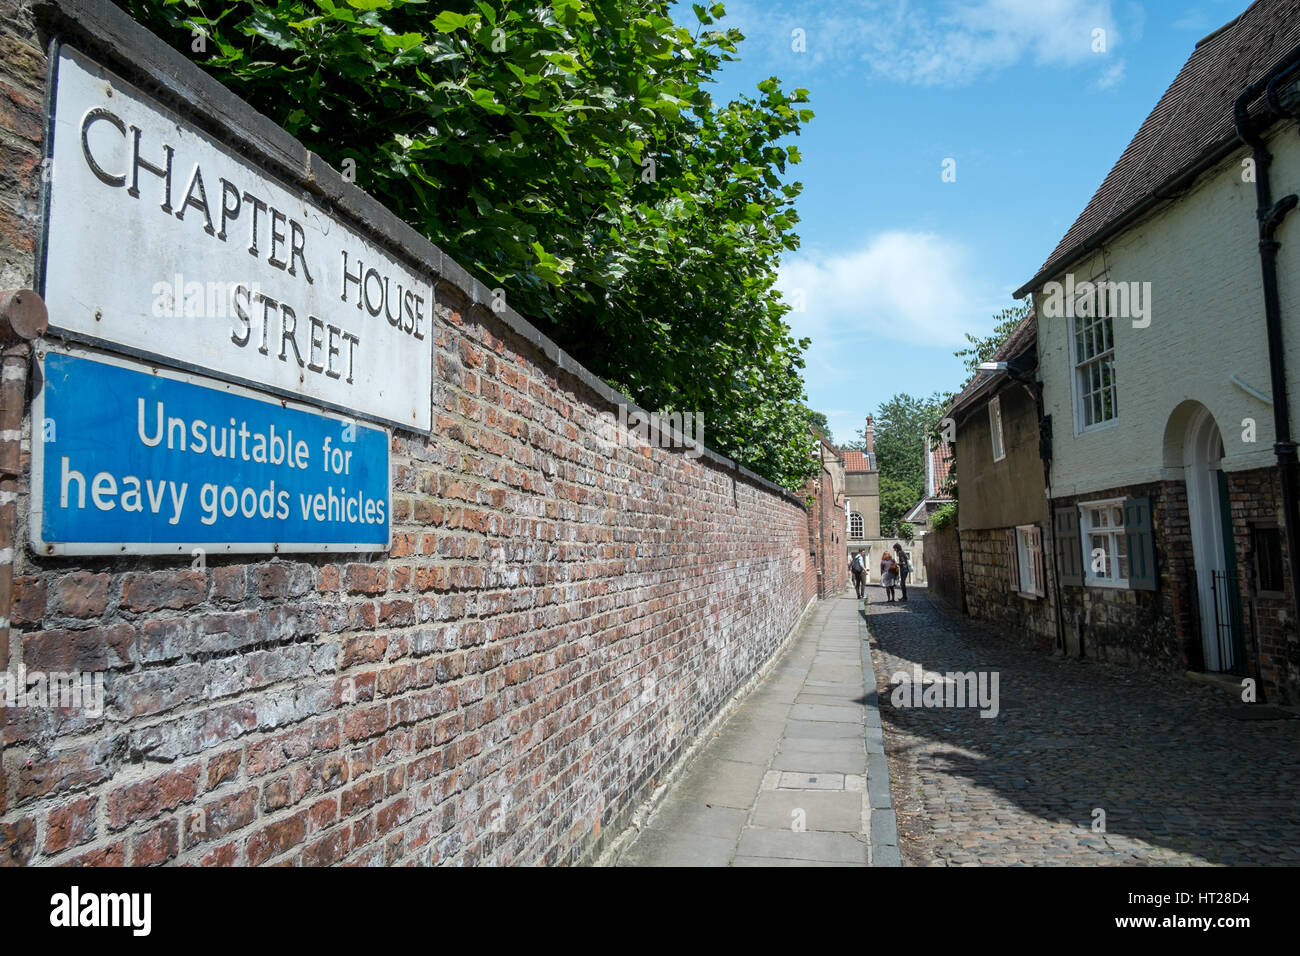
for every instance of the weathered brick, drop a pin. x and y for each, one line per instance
(92, 649)
(220, 817)
(17, 842)
(328, 850)
(225, 855)
(372, 697)
(277, 838)
(329, 772)
(278, 751)
(148, 798)
(156, 590)
(229, 584)
(156, 845)
(279, 579)
(362, 649)
(70, 825)
(29, 599)
(365, 579)
(365, 794)
(277, 794)
(114, 854)
(222, 767)
(80, 594)
(361, 724)
(83, 765)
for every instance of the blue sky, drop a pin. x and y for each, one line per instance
(895, 263)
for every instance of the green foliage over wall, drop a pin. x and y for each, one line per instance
(945, 517)
(569, 153)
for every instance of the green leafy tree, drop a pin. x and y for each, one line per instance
(819, 424)
(897, 498)
(901, 425)
(981, 349)
(570, 153)
(944, 517)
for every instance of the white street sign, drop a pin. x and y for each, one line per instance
(162, 242)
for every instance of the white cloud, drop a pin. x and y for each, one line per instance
(1111, 76)
(911, 287)
(950, 43)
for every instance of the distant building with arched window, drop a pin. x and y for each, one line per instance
(862, 504)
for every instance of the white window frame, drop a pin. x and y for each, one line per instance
(1030, 561)
(1117, 543)
(995, 428)
(862, 527)
(1083, 385)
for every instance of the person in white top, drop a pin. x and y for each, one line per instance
(888, 574)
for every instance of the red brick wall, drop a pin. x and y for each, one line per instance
(826, 530)
(554, 623)
(1257, 496)
(943, 571)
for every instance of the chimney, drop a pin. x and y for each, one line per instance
(871, 436)
(929, 470)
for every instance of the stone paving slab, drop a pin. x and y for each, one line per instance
(822, 712)
(671, 848)
(801, 758)
(786, 780)
(823, 729)
(1180, 781)
(817, 810)
(724, 823)
(774, 861)
(724, 783)
(808, 845)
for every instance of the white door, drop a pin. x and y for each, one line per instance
(1202, 452)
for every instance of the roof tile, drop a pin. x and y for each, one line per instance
(1192, 120)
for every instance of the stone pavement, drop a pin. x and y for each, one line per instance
(1181, 777)
(796, 776)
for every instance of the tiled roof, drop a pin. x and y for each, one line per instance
(1192, 122)
(914, 515)
(858, 461)
(940, 467)
(1021, 339)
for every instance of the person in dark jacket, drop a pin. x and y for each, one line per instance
(904, 569)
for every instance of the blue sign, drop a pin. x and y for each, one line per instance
(131, 459)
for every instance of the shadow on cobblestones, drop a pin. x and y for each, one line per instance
(1179, 781)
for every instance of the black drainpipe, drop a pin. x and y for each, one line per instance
(1270, 216)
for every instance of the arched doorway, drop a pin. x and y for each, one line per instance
(1212, 548)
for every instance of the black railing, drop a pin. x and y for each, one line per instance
(1231, 658)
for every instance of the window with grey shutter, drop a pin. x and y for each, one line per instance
(1036, 550)
(1013, 561)
(1140, 538)
(1069, 547)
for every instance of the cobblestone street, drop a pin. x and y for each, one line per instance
(1182, 778)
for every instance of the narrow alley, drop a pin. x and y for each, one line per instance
(1083, 762)
(796, 776)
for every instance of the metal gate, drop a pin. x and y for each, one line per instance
(1232, 659)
